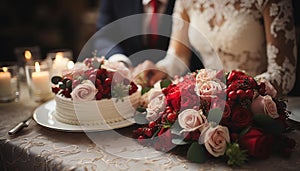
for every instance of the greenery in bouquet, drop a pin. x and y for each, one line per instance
(230, 116)
(94, 79)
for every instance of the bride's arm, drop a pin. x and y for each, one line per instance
(178, 55)
(281, 45)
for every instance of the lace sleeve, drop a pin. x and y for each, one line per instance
(281, 45)
(178, 56)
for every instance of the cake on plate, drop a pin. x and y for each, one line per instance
(96, 92)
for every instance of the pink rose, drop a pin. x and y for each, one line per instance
(204, 75)
(216, 139)
(209, 89)
(190, 120)
(84, 92)
(118, 67)
(270, 90)
(264, 105)
(156, 106)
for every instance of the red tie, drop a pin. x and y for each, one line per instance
(154, 23)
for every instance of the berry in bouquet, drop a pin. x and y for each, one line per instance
(230, 116)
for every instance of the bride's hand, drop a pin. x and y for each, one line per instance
(147, 74)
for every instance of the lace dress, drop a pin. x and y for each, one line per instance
(257, 36)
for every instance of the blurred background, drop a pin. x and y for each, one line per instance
(49, 24)
(62, 24)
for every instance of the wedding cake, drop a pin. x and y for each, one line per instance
(95, 92)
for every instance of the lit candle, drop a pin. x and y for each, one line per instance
(5, 84)
(27, 55)
(40, 79)
(70, 65)
(60, 63)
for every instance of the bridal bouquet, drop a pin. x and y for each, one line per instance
(216, 115)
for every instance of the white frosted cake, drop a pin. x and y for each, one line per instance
(95, 95)
(96, 112)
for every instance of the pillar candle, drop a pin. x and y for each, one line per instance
(40, 79)
(5, 83)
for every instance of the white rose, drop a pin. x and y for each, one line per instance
(209, 89)
(84, 92)
(191, 120)
(204, 75)
(216, 139)
(155, 106)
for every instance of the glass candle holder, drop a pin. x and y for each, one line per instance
(9, 83)
(26, 55)
(38, 77)
(60, 60)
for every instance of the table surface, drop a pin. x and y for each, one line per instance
(40, 148)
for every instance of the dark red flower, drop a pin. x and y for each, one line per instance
(241, 117)
(163, 142)
(189, 99)
(257, 143)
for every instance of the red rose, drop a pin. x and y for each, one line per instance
(163, 142)
(188, 99)
(241, 117)
(257, 143)
(173, 98)
(225, 107)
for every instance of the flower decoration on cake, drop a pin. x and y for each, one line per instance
(231, 116)
(95, 79)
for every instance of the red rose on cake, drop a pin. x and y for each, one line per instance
(94, 88)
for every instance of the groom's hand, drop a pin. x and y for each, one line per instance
(147, 74)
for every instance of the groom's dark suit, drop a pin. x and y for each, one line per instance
(111, 30)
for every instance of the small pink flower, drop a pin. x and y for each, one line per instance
(191, 119)
(155, 107)
(84, 92)
(216, 139)
(264, 105)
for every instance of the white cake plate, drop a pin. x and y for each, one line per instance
(44, 116)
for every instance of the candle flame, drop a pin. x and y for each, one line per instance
(37, 67)
(58, 56)
(28, 55)
(70, 64)
(4, 69)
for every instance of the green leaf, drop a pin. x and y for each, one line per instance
(140, 118)
(175, 129)
(268, 124)
(165, 83)
(197, 153)
(141, 109)
(62, 86)
(235, 155)
(179, 141)
(244, 131)
(145, 89)
(69, 83)
(215, 115)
